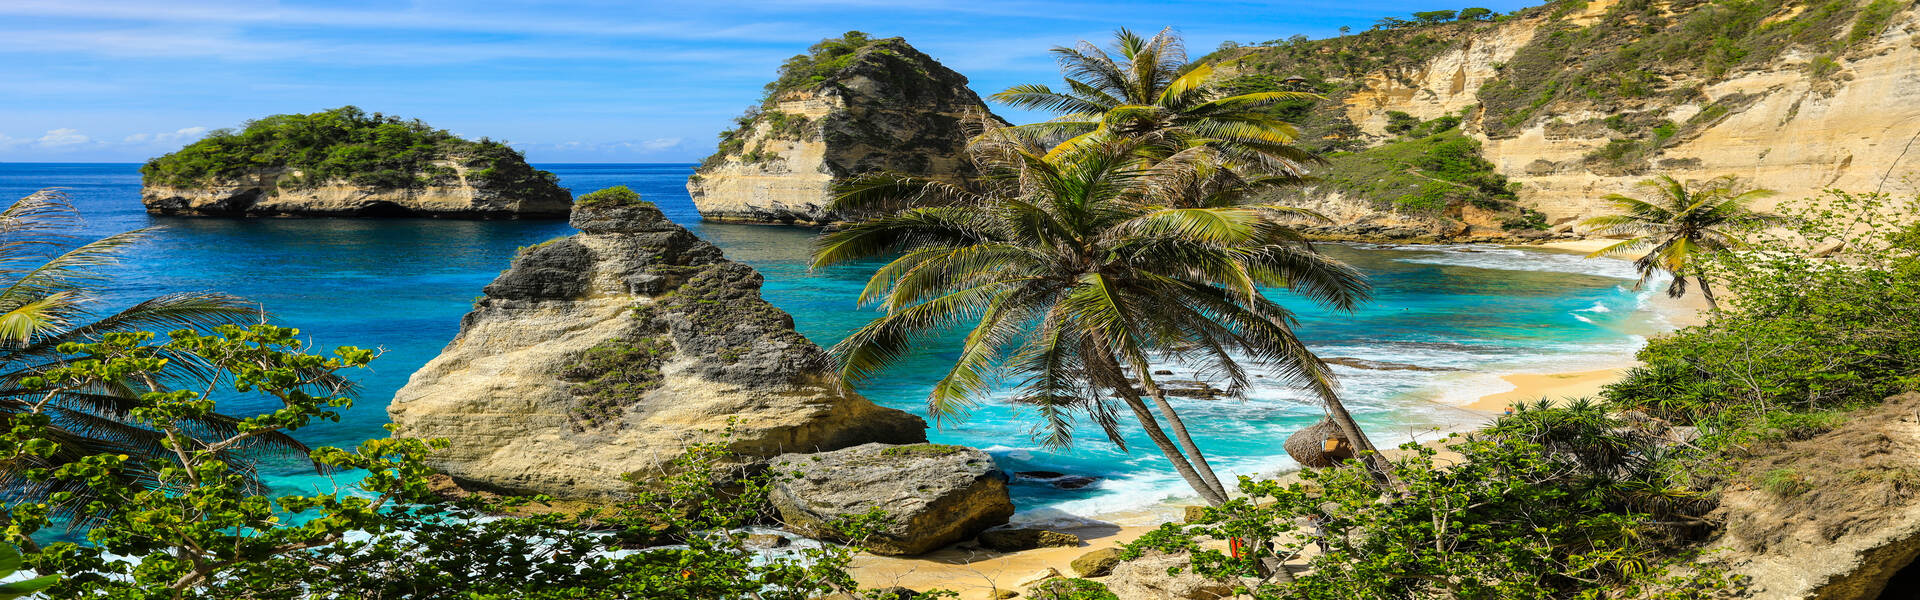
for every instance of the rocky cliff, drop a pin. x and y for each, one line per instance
(854, 106)
(458, 194)
(598, 357)
(1576, 100)
(347, 162)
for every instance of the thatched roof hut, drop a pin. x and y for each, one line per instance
(1320, 445)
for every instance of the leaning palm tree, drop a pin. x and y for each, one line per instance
(49, 284)
(1682, 223)
(1150, 93)
(1075, 281)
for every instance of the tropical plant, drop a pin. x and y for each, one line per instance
(1077, 279)
(10, 563)
(387, 534)
(1151, 94)
(1680, 225)
(50, 299)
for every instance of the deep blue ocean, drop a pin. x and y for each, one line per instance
(402, 285)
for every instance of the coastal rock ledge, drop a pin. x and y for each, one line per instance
(599, 357)
(933, 494)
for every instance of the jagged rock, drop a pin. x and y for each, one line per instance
(601, 356)
(1015, 540)
(1038, 577)
(1146, 578)
(258, 194)
(1098, 563)
(768, 540)
(892, 109)
(1000, 594)
(933, 494)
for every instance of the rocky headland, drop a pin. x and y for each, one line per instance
(854, 106)
(347, 163)
(599, 357)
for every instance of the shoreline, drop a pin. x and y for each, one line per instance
(976, 573)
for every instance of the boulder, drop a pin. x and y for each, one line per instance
(768, 540)
(1038, 577)
(597, 358)
(933, 494)
(891, 108)
(1146, 578)
(1015, 540)
(1098, 563)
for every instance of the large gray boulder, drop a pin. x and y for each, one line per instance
(597, 358)
(933, 494)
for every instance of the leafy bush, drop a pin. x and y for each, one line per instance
(1399, 122)
(821, 62)
(618, 195)
(1070, 589)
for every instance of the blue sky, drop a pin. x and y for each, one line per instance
(565, 81)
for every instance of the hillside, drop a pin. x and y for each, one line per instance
(1573, 100)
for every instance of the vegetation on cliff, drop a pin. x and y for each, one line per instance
(347, 145)
(824, 61)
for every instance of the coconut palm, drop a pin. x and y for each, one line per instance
(50, 299)
(1151, 94)
(1075, 280)
(1681, 223)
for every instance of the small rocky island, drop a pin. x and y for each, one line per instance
(346, 162)
(852, 106)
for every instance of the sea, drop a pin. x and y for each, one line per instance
(1462, 314)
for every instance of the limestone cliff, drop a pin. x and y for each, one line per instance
(880, 106)
(1577, 100)
(598, 357)
(458, 194)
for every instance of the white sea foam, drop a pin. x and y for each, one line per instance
(1511, 259)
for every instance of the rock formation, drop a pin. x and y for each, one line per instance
(1832, 106)
(259, 194)
(1841, 517)
(604, 354)
(890, 108)
(1149, 578)
(346, 162)
(933, 494)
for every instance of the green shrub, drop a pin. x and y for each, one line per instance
(1070, 589)
(1400, 123)
(1784, 483)
(618, 195)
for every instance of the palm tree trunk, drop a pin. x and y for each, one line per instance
(1186, 440)
(1707, 291)
(1109, 373)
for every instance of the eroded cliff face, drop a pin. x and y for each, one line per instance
(892, 108)
(1835, 114)
(459, 195)
(599, 357)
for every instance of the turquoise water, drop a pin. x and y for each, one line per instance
(402, 285)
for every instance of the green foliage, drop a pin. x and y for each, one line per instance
(1476, 14)
(1421, 175)
(1784, 483)
(1399, 122)
(1063, 588)
(209, 535)
(615, 196)
(822, 61)
(1432, 17)
(10, 563)
(1545, 504)
(612, 375)
(343, 144)
(1799, 334)
(917, 450)
(1872, 20)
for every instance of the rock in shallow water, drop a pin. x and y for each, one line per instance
(599, 357)
(934, 494)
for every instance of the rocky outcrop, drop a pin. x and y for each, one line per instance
(933, 494)
(598, 357)
(1835, 107)
(891, 108)
(259, 196)
(1026, 538)
(1834, 517)
(1147, 578)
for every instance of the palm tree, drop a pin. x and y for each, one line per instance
(1076, 280)
(1151, 94)
(1682, 223)
(48, 300)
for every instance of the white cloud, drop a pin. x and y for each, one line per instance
(63, 137)
(180, 135)
(661, 143)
